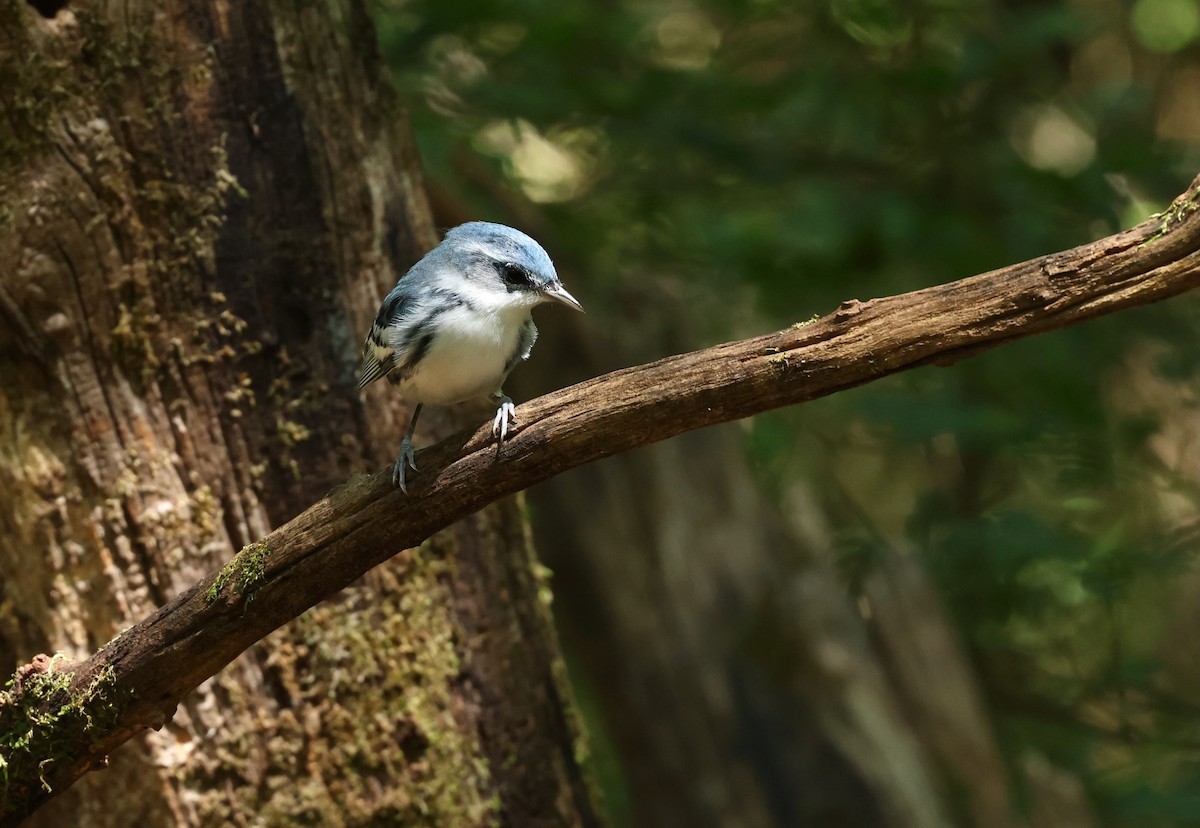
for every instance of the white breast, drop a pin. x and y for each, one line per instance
(467, 356)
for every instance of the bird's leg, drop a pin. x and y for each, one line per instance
(506, 416)
(407, 456)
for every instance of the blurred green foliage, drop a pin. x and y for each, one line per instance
(773, 158)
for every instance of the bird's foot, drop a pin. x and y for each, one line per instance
(406, 460)
(506, 419)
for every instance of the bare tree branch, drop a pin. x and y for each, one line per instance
(68, 717)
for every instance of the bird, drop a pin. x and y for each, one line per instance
(458, 322)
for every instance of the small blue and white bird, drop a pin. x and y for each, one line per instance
(459, 321)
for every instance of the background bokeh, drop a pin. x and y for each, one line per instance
(706, 170)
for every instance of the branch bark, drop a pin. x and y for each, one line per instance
(136, 680)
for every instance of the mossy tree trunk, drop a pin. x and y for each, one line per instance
(201, 204)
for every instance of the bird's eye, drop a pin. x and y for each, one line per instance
(514, 275)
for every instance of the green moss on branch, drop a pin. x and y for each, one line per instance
(44, 718)
(245, 571)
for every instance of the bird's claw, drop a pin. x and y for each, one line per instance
(405, 461)
(506, 418)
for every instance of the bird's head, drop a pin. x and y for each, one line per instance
(503, 259)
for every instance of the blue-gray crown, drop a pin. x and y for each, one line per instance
(507, 246)
(519, 262)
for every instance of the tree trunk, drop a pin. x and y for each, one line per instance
(201, 204)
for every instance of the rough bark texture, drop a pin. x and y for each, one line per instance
(200, 206)
(138, 678)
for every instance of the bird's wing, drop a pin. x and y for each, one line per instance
(524, 348)
(379, 357)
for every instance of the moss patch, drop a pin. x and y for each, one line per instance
(36, 84)
(43, 721)
(246, 571)
(1172, 217)
(806, 322)
(378, 668)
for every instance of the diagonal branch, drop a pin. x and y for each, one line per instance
(75, 714)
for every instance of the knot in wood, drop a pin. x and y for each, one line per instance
(848, 310)
(1037, 297)
(1056, 266)
(40, 664)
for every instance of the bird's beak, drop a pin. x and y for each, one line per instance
(559, 294)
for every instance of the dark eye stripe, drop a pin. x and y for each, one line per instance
(514, 275)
